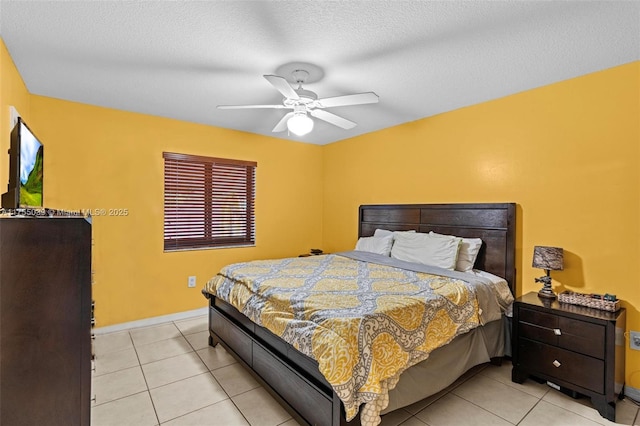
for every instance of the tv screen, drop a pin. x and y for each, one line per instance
(26, 155)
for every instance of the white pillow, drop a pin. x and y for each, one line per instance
(469, 248)
(426, 249)
(379, 245)
(384, 232)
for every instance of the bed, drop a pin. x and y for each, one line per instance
(294, 378)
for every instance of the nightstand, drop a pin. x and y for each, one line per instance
(577, 348)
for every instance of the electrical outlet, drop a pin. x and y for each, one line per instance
(634, 340)
(192, 281)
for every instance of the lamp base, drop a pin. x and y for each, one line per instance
(546, 294)
(546, 291)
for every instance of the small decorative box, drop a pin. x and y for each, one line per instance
(589, 300)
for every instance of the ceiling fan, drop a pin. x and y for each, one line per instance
(305, 102)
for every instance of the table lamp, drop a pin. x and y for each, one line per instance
(547, 258)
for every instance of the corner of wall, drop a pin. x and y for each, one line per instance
(13, 93)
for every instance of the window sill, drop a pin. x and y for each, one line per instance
(208, 248)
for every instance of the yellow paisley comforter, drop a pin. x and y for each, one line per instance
(364, 323)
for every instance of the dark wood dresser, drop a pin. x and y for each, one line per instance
(571, 346)
(45, 321)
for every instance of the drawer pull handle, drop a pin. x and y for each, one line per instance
(557, 332)
(556, 363)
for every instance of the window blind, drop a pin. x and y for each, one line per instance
(208, 202)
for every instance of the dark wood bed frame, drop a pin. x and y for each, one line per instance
(293, 378)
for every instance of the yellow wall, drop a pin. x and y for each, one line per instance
(12, 92)
(568, 154)
(100, 158)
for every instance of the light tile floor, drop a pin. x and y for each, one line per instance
(168, 375)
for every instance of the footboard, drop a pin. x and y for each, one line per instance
(291, 377)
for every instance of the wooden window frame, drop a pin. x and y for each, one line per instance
(208, 202)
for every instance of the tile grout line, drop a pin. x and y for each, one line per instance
(153, 405)
(155, 411)
(216, 380)
(118, 399)
(416, 419)
(191, 412)
(448, 390)
(510, 384)
(198, 409)
(114, 372)
(504, 384)
(482, 408)
(530, 410)
(573, 412)
(173, 356)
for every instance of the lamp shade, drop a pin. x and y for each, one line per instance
(550, 258)
(300, 124)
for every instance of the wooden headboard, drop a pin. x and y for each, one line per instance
(495, 224)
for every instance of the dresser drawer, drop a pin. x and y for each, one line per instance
(578, 336)
(562, 364)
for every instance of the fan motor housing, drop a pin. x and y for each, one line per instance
(307, 98)
(307, 94)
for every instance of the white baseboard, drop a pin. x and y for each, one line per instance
(632, 393)
(151, 321)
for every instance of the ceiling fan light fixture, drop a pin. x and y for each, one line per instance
(300, 124)
(305, 103)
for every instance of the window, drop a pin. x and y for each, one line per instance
(208, 202)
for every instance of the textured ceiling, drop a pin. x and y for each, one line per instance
(180, 59)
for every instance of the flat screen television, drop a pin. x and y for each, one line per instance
(26, 155)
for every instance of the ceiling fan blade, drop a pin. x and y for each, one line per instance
(249, 106)
(356, 99)
(281, 84)
(332, 118)
(282, 124)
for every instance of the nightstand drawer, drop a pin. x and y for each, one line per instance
(583, 337)
(562, 364)
(578, 336)
(535, 332)
(539, 318)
